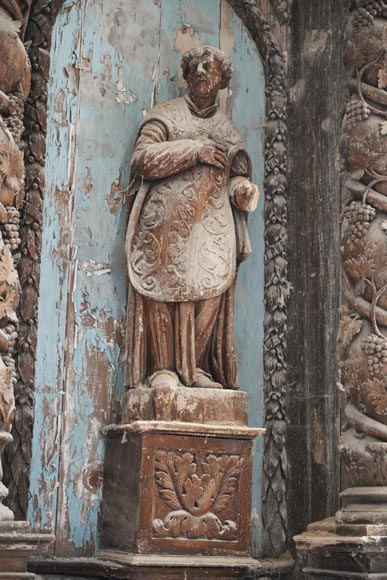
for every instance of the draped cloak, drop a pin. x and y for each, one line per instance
(185, 237)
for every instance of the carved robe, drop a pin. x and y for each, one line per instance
(185, 238)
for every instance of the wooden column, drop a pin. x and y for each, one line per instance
(316, 97)
(353, 544)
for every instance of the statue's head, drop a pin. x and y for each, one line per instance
(207, 70)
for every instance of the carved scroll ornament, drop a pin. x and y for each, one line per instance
(363, 327)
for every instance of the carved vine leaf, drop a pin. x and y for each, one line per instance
(376, 251)
(374, 393)
(352, 375)
(359, 269)
(353, 57)
(196, 500)
(349, 327)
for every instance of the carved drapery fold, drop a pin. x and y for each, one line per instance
(362, 335)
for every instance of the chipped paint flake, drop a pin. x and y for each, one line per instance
(187, 38)
(156, 83)
(123, 94)
(92, 268)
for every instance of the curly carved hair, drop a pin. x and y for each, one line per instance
(218, 54)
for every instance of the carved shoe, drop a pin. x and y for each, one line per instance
(164, 378)
(205, 381)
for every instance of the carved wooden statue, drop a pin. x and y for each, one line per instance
(188, 490)
(187, 234)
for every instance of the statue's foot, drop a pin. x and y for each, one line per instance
(204, 381)
(164, 378)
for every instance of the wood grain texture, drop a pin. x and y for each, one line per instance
(316, 99)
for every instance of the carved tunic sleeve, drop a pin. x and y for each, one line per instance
(240, 166)
(155, 157)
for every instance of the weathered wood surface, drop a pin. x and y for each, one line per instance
(145, 567)
(94, 110)
(316, 99)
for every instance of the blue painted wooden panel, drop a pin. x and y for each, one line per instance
(247, 107)
(119, 58)
(184, 25)
(109, 112)
(50, 362)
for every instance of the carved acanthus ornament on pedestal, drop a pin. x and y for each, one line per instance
(197, 501)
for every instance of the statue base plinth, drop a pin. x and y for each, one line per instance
(165, 403)
(17, 544)
(121, 566)
(178, 488)
(351, 545)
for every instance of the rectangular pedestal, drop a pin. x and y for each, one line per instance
(178, 488)
(326, 554)
(17, 543)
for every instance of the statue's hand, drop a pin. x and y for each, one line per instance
(245, 194)
(211, 153)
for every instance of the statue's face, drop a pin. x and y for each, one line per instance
(204, 76)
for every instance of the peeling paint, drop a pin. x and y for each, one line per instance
(91, 268)
(156, 83)
(87, 183)
(123, 95)
(187, 38)
(59, 108)
(116, 196)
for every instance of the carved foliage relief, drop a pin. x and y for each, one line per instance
(363, 328)
(199, 495)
